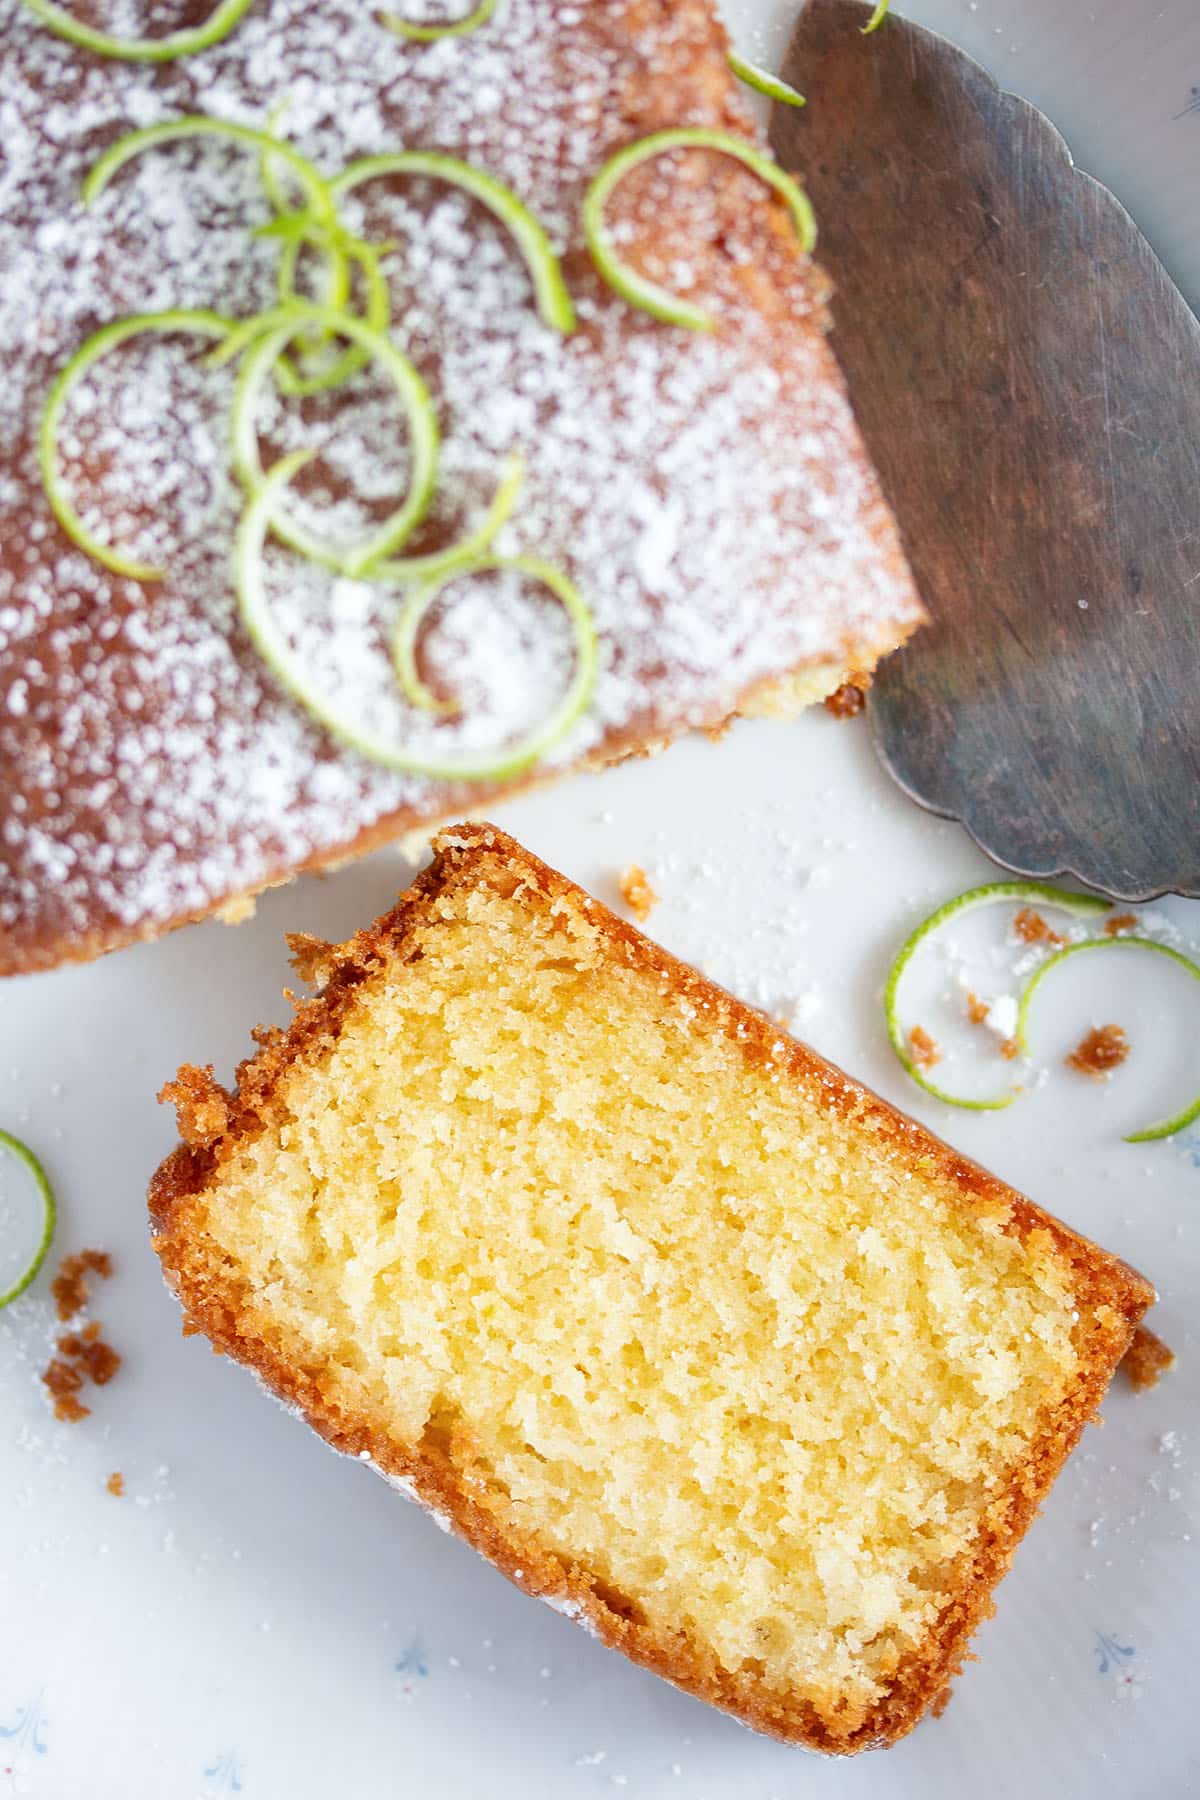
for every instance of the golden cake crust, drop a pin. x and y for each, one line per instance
(214, 1122)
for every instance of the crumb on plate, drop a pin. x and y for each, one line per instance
(637, 893)
(926, 1051)
(63, 1381)
(70, 1288)
(116, 1484)
(1103, 1049)
(1031, 928)
(1119, 923)
(1146, 1360)
(82, 1355)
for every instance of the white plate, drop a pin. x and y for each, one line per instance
(257, 1616)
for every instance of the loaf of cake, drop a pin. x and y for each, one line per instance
(686, 1331)
(706, 491)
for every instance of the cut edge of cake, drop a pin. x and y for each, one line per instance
(215, 1122)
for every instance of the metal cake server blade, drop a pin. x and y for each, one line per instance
(1027, 378)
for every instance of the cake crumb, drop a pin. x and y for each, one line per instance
(116, 1484)
(847, 701)
(1010, 1049)
(1118, 923)
(69, 1286)
(63, 1381)
(637, 893)
(82, 1354)
(1146, 1360)
(1031, 928)
(925, 1050)
(1104, 1049)
(977, 1009)
(98, 1360)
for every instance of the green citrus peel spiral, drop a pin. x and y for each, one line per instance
(1080, 906)
(553, 298)
(109, 337)
(430, 34)
(638, 289)
(995, 893)
(1161, 1128)
(13, 1147)
(763, 82)
(296, 676)
(199, 125)
(307, 346)
(272, 332)
(877, 17)
(476, 543)
(220, 22)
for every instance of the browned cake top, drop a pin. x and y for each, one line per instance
(708, 494)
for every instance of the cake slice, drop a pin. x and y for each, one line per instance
(686, 1331)
(707, 492)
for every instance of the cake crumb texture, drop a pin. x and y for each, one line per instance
(674, 1321)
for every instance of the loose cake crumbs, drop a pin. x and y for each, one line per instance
(1031, 928)
(847, 701)
(97, 1359)
(977, 1009)
(1104, 1049)
(70, 1288)
(64, 1382)
(82, 1354)
(637, 893)
(925, 1050)
(1010, 1049)
(1146, 1360)
(1118, 923)
(116, 1484)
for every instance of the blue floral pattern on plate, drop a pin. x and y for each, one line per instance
(21, 1742)
(224, 1776)
(1118, 1661)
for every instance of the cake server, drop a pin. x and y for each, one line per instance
(1027, 378)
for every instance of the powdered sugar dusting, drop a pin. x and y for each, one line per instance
(705, 493)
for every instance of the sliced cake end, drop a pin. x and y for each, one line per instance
(688, 1332)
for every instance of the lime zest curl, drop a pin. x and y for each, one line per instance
(220, 22)
(992, 893)
(763, 82)
(207, 324)
(432, 34)
(316, 191)
(24, 1155)
(1161, 1128)
(295, 677)
(553, 297)
(269, 334)
(476, 543)
(638, 289)
(877, 17)
(262, 343)
(343, 251)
